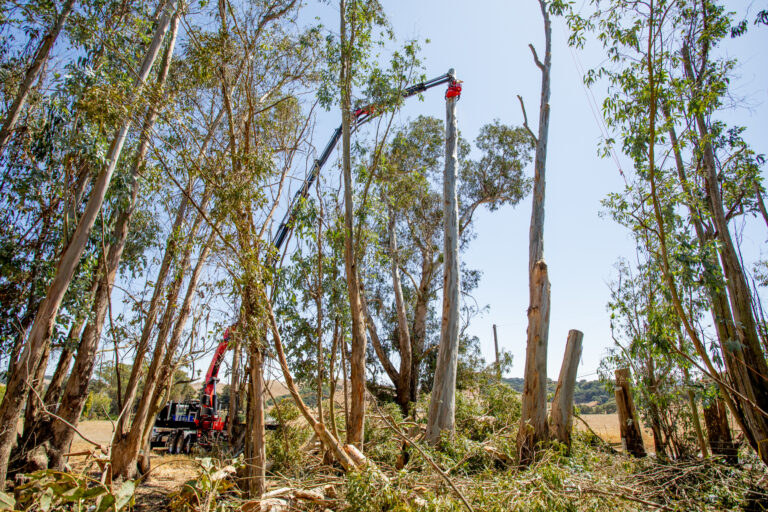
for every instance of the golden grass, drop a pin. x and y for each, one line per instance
(607, 427)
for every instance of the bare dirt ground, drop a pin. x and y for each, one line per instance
(167, 475)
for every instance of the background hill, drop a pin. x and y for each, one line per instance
(591, 396)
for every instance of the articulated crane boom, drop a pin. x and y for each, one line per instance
(359, 117)
(179, 425)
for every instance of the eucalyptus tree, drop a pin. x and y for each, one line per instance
(358, 20)
(48, 171)
(45, 318)
(258, 63)
(666, 85)
(409, 231)
(533, 422)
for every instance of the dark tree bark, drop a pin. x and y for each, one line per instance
(719, 432)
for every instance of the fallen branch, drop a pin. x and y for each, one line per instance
(629, 497)
(393, 426)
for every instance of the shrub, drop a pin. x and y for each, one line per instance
(283, 445)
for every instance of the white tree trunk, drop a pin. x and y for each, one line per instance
(443, 401)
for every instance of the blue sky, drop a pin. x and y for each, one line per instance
(487, 43)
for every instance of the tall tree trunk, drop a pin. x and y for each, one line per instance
(748, 370)
(356, 423)
(65, 269)
(533, 423)
(41, 57)
(441, 416)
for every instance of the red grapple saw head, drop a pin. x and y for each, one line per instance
(454, 89)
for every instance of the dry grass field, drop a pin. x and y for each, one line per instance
(607, 427)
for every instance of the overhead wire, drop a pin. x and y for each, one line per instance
(602, 125)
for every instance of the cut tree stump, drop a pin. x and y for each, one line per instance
(561, 416)
(631, 435)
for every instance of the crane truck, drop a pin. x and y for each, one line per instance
(181, 425)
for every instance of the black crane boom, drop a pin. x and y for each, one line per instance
(361, 116)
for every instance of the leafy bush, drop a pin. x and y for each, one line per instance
(383, 447)
(283, 445)
(208, 488)
(55, 490)
(367, 493)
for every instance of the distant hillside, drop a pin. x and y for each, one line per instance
(590, 395)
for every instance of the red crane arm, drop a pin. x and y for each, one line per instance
(213, 371)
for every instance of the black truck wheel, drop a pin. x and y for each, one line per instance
(187, 446)
(178, 442)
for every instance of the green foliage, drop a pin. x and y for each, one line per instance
(367, 493)
(55, 490)
(209, 489)
(284, 445)
(385, 448)
(97, 406)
